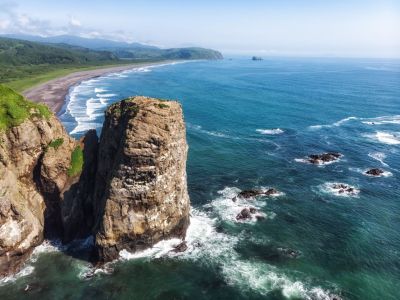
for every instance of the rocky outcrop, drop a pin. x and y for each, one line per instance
(375, 172)
(141, 194)
(129, 190)
(24, 210)
(251, 194)
(324, 158)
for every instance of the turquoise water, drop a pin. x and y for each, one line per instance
(249, 124)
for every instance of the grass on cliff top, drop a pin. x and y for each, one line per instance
(76, 162)
(15, 109)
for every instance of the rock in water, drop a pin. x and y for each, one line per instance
(141, 193)
(374, 172)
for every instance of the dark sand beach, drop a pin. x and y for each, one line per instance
(54, 92)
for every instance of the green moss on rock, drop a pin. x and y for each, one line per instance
(76, 162)
(56, 143)
(15, 109)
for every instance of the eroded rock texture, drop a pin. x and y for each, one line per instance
(141, 194)
(130, 191)
(24, 160)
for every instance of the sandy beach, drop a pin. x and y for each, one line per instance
(54, 92)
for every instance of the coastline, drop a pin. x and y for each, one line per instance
(54, 92)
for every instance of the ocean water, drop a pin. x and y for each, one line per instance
(250, 125)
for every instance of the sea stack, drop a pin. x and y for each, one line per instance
(140, 192)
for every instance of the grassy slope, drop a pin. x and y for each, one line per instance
(15, 109)
(29, 80)
(24, 64)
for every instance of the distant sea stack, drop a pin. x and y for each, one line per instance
(128, 190)
(256, 58)
(141, 193)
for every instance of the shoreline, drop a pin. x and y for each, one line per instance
(53, 93)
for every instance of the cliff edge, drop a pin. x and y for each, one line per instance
(128, 190)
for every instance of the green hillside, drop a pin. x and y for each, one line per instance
(24, 64)
(23, 59)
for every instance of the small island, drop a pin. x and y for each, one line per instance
(256, 58)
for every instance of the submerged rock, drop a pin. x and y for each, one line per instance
(342, 189)
(248, 194)
(374, 172)
(182, 247)
(248, 213)
(245, 214)
(141, 193)
(290, 253)
(324, 158)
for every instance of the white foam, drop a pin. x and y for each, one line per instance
(227, 209)
(388, 138)
(330, 188)
(208, 132)
(320, 163)
(270, 131)
(162, 248)
(379, 156)
(336, 124)
(99, 95)
(22, 273)
(100, 90)
(383, 120)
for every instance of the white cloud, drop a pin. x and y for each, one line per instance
(74, 22)
(4, 24)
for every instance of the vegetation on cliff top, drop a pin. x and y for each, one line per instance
(76, 162)
(15, 109)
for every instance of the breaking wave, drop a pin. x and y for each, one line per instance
(208, 246)
(384, 137)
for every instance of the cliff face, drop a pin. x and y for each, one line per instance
(23, 209)
(129, 190)
(141, 193)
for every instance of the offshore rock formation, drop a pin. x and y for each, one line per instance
(141, 193)
(129, 190)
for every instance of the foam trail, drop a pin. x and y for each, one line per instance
(379, 156)
(336, 124)
(384, 137)
(270, 131)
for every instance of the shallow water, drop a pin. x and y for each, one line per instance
(249, 124)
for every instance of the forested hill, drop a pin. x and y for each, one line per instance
(25, 63)
(18, 52)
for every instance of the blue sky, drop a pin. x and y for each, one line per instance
(286, 27)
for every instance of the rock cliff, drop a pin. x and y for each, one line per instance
(129, 190)
(141, 194)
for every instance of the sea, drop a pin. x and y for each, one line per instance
(251, 125)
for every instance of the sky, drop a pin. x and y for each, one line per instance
(333, 28)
